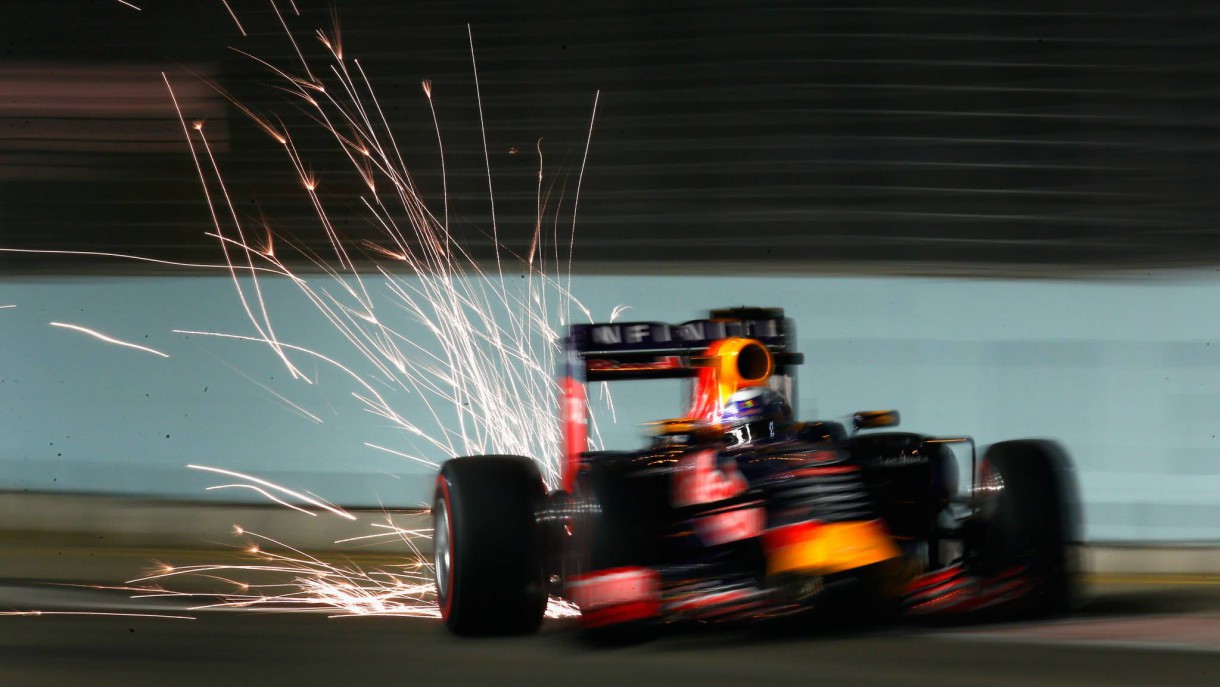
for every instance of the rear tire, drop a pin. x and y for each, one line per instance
(1028, 516)
(489, 548)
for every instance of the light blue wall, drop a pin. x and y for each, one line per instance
(1125, 374)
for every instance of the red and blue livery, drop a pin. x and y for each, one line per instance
(737, 511)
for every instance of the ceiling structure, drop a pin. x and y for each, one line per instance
(857, 137)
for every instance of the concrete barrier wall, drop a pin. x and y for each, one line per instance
(43, 527)
(1125, 373)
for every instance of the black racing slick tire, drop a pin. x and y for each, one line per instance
(1027, 499)
(490, 552)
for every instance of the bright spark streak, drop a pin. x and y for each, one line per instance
(137, 258)
(265, 493)
(235, 19)
(285, 490)
(484, 376)
(263, 326)
(6, 307)
(558, 608)
(102, 613)
(108, 339)
(288, 32)
(124, 2)
(379, 535)
(417, 459)
(491, 196)
(425, 533)
(440, 146)
(316, 585)
(394, 532)
(273, 392)
(580, 180)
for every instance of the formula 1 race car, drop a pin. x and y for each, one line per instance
(736, 511)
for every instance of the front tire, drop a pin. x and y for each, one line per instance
(489, 554)
(1028, 517)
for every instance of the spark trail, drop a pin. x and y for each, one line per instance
(478, 378)
(108, 339)
(258, 482)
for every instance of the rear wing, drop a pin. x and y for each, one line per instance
(617, 351)
(657, 350)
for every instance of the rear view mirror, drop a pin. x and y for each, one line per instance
(869, 419)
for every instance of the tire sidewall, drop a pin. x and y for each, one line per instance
(496, 576)
(1027, 513)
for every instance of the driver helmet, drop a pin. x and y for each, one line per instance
(756, 414)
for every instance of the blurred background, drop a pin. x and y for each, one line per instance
(1000, 220)
(992, 139)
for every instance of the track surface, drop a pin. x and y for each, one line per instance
(1128, 635)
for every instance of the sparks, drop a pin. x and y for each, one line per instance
(237, 21)
(482, 369)
(313, 585)
(108, 339)
(98, 613)
(135, 258)
(275, 487)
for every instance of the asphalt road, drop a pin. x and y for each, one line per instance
(1140, 634)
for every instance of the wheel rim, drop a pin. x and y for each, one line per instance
(989, 490)
(443, 555)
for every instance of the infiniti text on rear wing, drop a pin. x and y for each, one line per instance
(613, 351)
(656, 350)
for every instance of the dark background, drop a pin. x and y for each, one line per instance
(789, 135)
